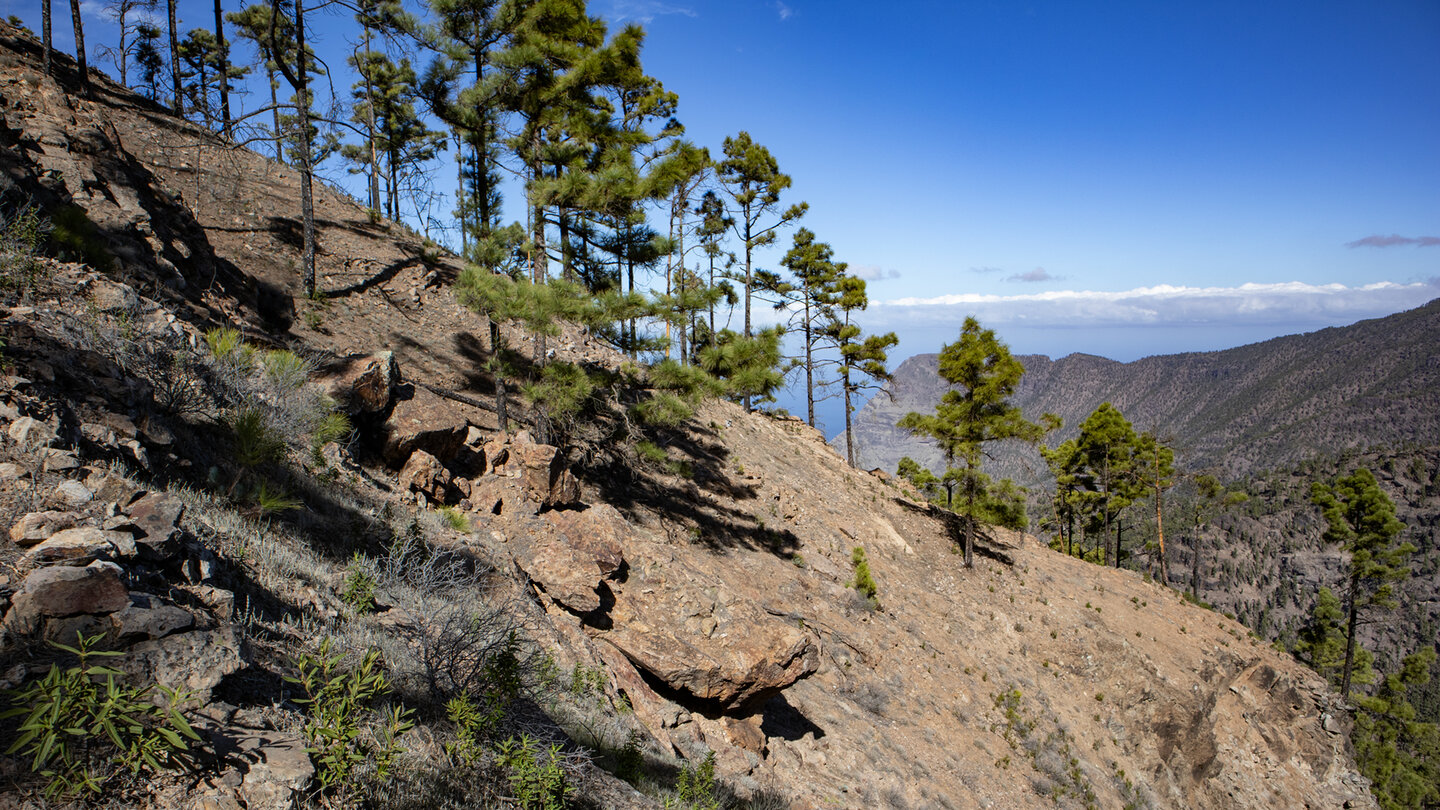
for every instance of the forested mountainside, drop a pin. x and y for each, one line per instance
(428, 611)
(1266, 405)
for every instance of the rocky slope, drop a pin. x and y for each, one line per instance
(701, 605)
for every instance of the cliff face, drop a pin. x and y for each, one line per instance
(712, 592)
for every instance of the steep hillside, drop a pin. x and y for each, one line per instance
(637, 614)
(1265, 405)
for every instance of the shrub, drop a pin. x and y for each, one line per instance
(864, 581)
(695, 789)
(22, 232)
(337, 703)
(537, 776)
(80, 726)
(650, 452)
(360, 584)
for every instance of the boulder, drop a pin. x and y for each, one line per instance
(542, 470)
(29, 432)
(64, 590)
(37, 526)
(195, 661)
(679, 625)
(266, 769)
(148, 617)
(156, 518)
(69, 495)
(426, 422)
(361, 384)
(595, 533)
(82, 545)
(425, 474)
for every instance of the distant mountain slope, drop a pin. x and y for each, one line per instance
(1373, 383)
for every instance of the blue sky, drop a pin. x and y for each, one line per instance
(1118, 178)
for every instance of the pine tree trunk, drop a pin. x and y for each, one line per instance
(1160, 532)
(224, 56)
(970, 523)
(849, 428)
(1350, 640)
(370, 123)
(810, 372)
(124, 44)
(45, 32)
(80, 46)
(501, 397)
(307, 199)
(175, 105)
(275, 117)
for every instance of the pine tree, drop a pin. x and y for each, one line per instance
(1107, 444)
(149, 59)
(174, 39)
(714, 224)
(385, 102)
(298, 77)
(752, 178)
(1397, 752)
(1361, 519)
(45, 34)
(810, 298)
(923, 479)
(466, 33)
(123, 13)
(862, 357)
(1065, 463)
(1155, 470)
(977, 409)
(203, 73)
(749, 367)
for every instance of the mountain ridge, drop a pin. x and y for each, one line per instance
(1236, 410)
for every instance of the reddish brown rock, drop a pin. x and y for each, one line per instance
(425, 474)
(38, 526)
(731, 654)
(544, 474)
(426, 422)
(595, 534)
(361, 384)
(82, 545)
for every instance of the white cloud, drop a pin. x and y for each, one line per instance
(785, 11)
(643, 11)
(1038, 274)
(871, 272)
(1249, 304)
(95, 10)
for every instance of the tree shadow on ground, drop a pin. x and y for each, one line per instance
(704, 498)
(985, 543)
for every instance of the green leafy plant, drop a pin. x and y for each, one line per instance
(864, 581)
(284, 371)
(630, 759)
(695, 787)
(337, 702)
(332, 428)
(360, 585)
(537, 775)
(22, 233)
(455, 519)
(81, 726)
